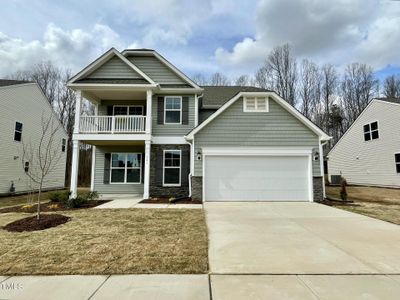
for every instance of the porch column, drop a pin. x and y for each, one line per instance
(96, 113)
(147, 154)
(74, 168)
(149, 96)
(78, 105)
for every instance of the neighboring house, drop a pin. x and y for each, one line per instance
(157, 133)
(369, 151)
(22, 105)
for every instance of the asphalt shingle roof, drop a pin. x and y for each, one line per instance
(392, 100)
(7, 82)
(219, 95)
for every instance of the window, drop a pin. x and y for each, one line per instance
(173, 110)
(255, 104)
(128, 110)
(371, 131)
(63, 144)
(126, 168)
(18, 132)
(397, 162)
(172, 168)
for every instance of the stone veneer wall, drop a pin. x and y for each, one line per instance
(318, 188)
(197, 188)
(156, 189)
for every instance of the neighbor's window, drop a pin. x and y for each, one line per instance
(126, 168)
(63, 144)
(397, 162)
(18, 132)
(255, 104)
(371, 131)
(172, 168)
(173, 110)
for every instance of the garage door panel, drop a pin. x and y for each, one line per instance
(256, 178)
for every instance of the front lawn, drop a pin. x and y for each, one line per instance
(379, 203)
(109, 241)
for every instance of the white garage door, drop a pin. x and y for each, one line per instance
(256, 178)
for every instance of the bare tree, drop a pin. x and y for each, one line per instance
(391, 86)
(310, 88)
(357, 88)
(42, 156)
(281, 66)
(200, 79)
(243, 80)
(219, 79)
(262, 78)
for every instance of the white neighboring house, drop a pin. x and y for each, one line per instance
(22, 105)
(369, 151)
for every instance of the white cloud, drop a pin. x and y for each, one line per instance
(72, 49)
(338, 32)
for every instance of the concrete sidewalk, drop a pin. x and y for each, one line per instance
(201, 287)
(134, 203)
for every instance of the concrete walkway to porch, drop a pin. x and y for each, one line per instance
(133, 202)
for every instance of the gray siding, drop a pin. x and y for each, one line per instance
(114, 68)
(156, 70)
(25, 104)
(99, 185)
(172, 129)
(235, 128)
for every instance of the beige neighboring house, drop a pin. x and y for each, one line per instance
(369, 151)
(22, 105)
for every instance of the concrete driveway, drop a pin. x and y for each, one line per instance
(298, 238)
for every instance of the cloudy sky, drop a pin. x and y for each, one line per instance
(201, 36)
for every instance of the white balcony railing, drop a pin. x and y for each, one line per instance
(112, 124)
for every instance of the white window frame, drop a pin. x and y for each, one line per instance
(127, 111)
(171, 167)
(126, 168)
(370, 131)
(169, 109)
(396, 163)
(256, 99)
(20, 131)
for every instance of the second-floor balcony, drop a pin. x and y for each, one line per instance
(112, 124)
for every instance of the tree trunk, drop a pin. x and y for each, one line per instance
(38, 201)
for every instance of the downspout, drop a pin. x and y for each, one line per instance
(321, 145)
(191, 168)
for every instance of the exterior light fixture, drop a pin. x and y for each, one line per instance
(316, 156)
(198, 155)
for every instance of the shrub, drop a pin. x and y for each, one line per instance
(76, 202)
(91, 195)
(343, 190)
(59, 196)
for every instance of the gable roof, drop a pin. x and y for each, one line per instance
(164, 61)
(390, 100)
(95, 65)
(8, 82)
(216, 96)
(293, 111)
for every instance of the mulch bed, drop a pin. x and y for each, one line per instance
(165, 200)
(33, 224)
(50, 206)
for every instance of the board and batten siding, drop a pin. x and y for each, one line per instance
(156, 70)
(99, 184)
(114, 68)
(25, 103)
(172, 129)
(369, 162)
(235, 128)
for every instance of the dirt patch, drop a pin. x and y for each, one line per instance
(50, 206)
(33, 224)
(165, 200)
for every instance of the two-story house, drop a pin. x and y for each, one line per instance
(369, 151)
(155, 132)
(23, 106)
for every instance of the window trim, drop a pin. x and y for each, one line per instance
(180, 168)
(370, 131)
(126, 168)
(165, 110)
(256, 110)
(396, 163)
(15, 130)
(128, 106)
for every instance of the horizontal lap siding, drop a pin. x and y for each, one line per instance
(235, 128)
(114, 68)
(371, 162)
(99, 185)
(172, 129)
(26, 104)
(156, 70)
